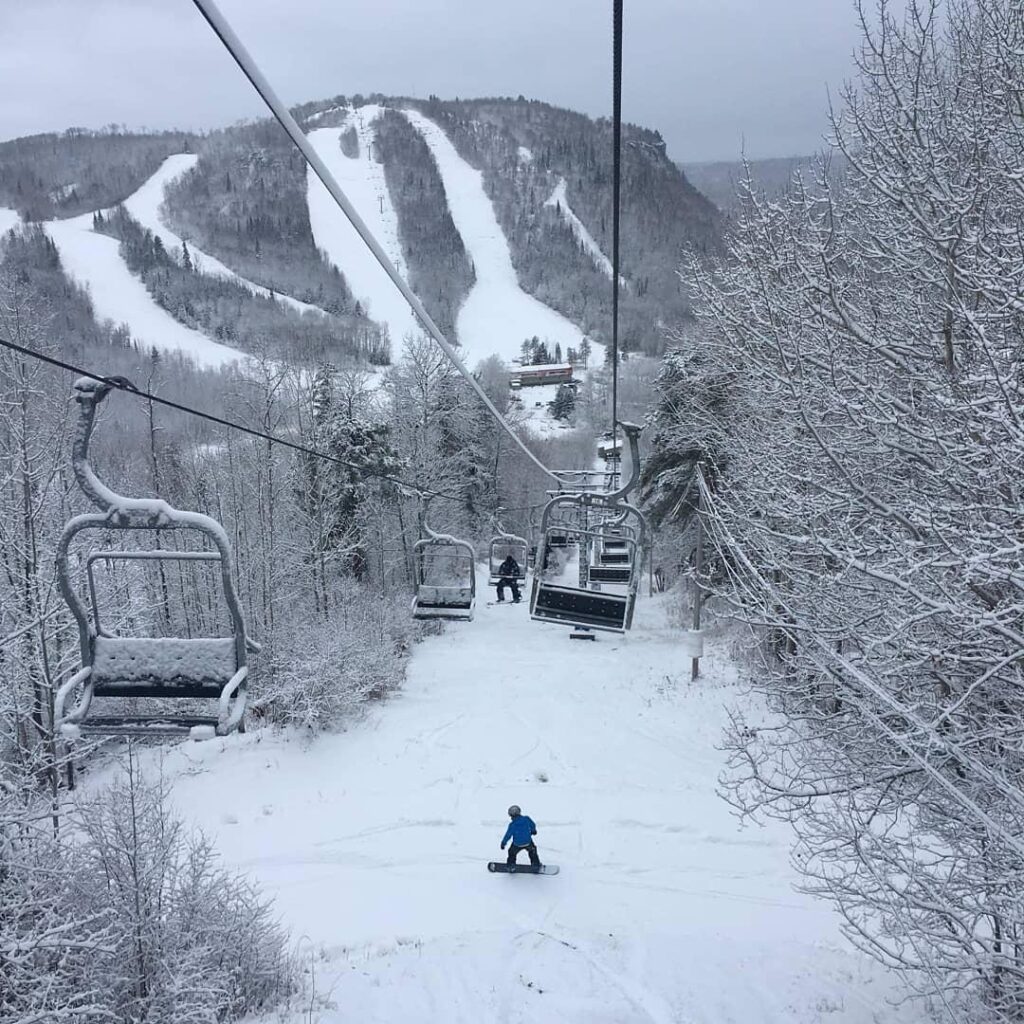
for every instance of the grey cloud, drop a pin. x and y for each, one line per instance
(711, 75)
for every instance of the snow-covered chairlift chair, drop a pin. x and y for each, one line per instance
(146, 666)
(445, 577)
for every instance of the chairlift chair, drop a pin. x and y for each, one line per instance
(445, 577)
(577, 604)
(503, 545)
(600, 518)
(212, 668)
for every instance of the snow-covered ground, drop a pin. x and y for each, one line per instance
(8, 219)
(144, 206)
(580, 232)
(117, 294)
(497, 316)
(532, 412)
(374, 843)
(362, 180)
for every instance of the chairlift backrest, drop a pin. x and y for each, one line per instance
(150, 666)
(502, 546)
(445, 572)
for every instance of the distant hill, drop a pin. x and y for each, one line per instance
(717, 180)
(547, 171)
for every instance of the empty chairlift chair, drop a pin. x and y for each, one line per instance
(445, 570)
(555, 599)
(209, 668)
(611, 536)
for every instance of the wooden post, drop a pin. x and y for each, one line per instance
(698, 596)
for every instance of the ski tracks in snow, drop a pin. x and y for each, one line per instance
(374, 841)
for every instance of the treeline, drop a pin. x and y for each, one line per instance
(79, 171)
(231, 313)
(245, 203)
(440, 271)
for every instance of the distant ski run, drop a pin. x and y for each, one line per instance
(144, 206)
(95, 262)
(559, 199)
(497, 316)
(8, 219)
(362, 180)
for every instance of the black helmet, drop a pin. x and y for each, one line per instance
(514, 811)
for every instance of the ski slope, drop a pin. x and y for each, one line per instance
(374, 841)
(118, 295)
(8, 219)
(580, 232)
(144, 206)
(362, 180)
(497, 315)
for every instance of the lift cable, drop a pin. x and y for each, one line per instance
(616, 183)
(122, 384)
(244, 59)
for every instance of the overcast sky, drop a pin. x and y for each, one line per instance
(714, 76)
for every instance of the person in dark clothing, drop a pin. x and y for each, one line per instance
(519, 835)
(509, 575)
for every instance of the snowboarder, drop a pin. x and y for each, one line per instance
(508, 576)
(519, 835)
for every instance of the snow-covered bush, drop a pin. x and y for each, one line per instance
(329, 669)
(127, 917)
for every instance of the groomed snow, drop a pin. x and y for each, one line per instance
(362, 180)
(144, 206)
(118, 295)
(497, 316)
(374, 841)
(580, 232)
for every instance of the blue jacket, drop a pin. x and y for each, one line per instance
(520, 830)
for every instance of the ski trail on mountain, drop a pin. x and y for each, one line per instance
(373, 842)
(579, 230)
(361, 179)
(8, 220)
(144, 205)
(497, 315)
(94, 262)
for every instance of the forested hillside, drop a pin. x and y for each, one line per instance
(78, 171)
(245, 203)
(523, 147)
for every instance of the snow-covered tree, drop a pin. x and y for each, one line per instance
(857, 402)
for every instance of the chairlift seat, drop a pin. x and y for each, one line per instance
(162, 666)
(575, 607)
(443, 602)
(622, 557)
(610, 574)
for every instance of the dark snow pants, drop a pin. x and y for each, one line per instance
(508, 581)
(530, 848)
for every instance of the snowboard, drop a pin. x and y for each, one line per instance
(491, 604)
(522, 869)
